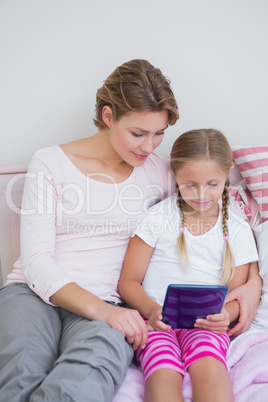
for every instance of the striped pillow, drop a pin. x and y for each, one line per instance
(252, 163)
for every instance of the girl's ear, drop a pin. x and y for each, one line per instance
(107, 115)
(231, 168)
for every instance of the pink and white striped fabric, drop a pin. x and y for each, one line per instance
(179, 348)
(252, 163)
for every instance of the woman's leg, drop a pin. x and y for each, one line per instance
(204, 354)
(29, 337)
(92, 364)
(162, 367)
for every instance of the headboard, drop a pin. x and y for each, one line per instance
(11, 187)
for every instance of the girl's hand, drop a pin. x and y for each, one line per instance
(130, 323)
(215, 322)
(155, 322)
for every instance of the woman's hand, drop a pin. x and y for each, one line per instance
(216, 322)
(155, 322)
(248, 297)
(78, 300)
(130, 323)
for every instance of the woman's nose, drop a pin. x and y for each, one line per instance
(147, 145)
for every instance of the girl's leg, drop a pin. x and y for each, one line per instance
(92, 363)
(210, 381)
(204, 355)
(164, 385)
(162, 367)
(29, 337)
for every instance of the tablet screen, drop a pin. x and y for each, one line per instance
(185, 303)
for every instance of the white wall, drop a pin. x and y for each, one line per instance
(56, 53)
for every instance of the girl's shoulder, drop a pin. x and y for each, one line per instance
(237, 219)
(166, 207)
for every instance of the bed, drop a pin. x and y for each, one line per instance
(248, 354)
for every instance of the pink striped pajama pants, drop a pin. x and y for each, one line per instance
(179, 348)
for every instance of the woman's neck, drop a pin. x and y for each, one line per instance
(95, 157)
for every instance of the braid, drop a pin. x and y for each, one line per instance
(228, 260)
(181, 242)
(225, 214)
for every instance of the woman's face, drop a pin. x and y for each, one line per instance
(135, 135)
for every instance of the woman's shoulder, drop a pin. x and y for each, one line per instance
(159, 160)
(46, 152)
(63, 153)
(79, 147)
(156, 167)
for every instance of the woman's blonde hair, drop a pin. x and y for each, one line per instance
(135, 86)
(193, 146)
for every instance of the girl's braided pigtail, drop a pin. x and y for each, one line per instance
(228, 260)
(181, 242)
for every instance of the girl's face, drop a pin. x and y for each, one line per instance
(201, 186)
(135, 135)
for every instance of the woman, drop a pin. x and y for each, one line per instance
(64, 334)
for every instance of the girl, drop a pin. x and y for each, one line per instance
(185, 239)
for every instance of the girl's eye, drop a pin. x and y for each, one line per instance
(213, 185)
(190, 185)
(160, 133)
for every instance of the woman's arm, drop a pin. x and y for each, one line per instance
(220, 322)
(44, 275)
(79, 301)
(135, 265)
(248, 297)
(239, 279)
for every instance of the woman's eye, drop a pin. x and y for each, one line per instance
(190, 185)
(135, 134)
(160, 133)
(213, 185)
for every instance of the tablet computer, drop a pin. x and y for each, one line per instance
(183, 304)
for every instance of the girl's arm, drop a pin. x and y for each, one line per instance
(248, 296)
(220, 322)
(135, 265)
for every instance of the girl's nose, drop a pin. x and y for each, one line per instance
(201, 192)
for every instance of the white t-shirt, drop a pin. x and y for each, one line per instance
(159, 227)
(76, 229)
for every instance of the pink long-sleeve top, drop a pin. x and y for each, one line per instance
(76, 229)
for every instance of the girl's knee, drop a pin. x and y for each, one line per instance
(209, 365)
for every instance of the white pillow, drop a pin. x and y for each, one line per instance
(261, 234)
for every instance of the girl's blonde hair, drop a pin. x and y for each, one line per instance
(193, 146)
(136, 86)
